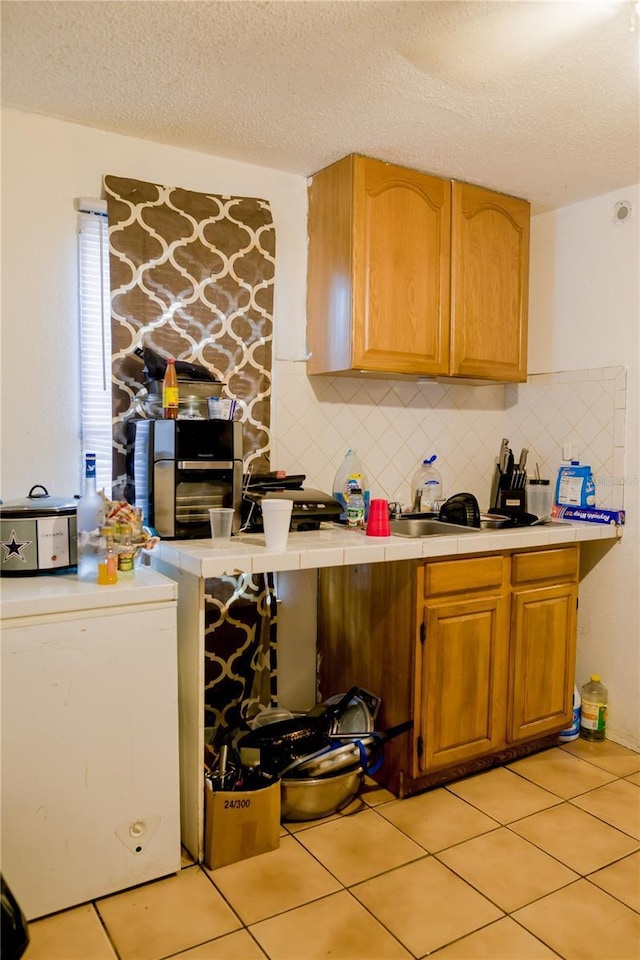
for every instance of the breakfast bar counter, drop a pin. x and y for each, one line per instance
(204, 570)
(334, 545)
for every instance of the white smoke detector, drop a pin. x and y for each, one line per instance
(621, 212)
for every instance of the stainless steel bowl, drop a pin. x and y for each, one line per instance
(311, 799)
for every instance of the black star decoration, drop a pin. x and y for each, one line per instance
(14, 547)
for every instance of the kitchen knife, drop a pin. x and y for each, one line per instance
(504, 456)
(523, 459)
(510, 463)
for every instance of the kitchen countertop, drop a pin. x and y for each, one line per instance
(333, 545)
(53, 593)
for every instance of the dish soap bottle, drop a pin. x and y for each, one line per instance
(350, 476)
(426, 488)
(355, 508)
(593, 717)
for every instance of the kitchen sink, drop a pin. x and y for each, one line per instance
(428, 527)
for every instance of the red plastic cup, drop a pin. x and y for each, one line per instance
(378, 522)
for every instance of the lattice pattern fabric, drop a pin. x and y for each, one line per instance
(192, 276)
(240, 650)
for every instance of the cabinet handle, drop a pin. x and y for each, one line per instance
(423, 633)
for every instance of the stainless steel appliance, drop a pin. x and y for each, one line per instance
(38, 534)
(178, 469)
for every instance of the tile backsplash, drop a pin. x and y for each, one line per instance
(394, 424)
(582, 408)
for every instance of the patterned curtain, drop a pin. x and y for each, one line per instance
(240, 653)
(192, 278)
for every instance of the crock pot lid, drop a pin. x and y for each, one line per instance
(38, 503)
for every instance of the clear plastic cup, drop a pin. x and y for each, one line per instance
(221, 522)
(539, 497)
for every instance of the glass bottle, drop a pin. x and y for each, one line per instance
(108, 565)
(90, 515)
(125, 552)
(170, 393)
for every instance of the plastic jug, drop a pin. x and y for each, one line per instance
(350, 477)
(593, 716)
(426, 488)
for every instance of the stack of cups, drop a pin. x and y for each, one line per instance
(276, 518)
(378, 522)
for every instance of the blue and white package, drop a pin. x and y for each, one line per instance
(589, 515)
(575, 486)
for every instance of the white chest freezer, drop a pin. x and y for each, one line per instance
(90, 780)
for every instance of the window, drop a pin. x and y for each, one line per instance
(95, 337)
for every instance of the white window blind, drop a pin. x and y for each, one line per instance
(95, 337)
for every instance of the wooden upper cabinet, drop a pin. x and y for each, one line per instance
(379, 270)
(404, 280)
(489, 284)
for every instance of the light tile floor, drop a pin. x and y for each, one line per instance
(537, 859)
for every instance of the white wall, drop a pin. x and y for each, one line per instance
(46, 164)
(585, 312)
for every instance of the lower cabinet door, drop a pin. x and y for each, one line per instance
(543, 631)
(463, 674)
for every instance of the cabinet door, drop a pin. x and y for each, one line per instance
(543, 632)
(489, 284)
(463, 704)
(401, 269)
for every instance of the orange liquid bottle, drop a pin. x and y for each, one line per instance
(170, 392)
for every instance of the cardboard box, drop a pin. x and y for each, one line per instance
(240, 824)
(588, 514)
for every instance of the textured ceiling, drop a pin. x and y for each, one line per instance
(538, 99)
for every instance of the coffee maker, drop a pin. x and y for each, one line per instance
(178, 469)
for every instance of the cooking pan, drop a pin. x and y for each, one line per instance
(345, 752)
(359, 716)
(281, 744)
(514, 517)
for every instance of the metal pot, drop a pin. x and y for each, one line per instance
(360, 714)
(38, 534)
(461, 508)
(282, 743)
(312, 799)
(192, 398)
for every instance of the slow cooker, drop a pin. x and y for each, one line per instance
(38, 534)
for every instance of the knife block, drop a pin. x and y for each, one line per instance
(509, 499)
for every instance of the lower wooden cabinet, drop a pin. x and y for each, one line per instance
(543, 655)
(478, 651)
(461, 709)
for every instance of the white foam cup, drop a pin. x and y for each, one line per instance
(276, 517)
(221, 522)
